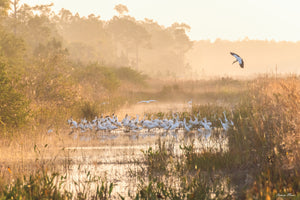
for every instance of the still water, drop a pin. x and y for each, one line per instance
(118, 156)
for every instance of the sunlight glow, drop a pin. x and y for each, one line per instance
(232, 19)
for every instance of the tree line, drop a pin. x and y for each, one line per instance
(52, 63)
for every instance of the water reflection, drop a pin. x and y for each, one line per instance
(114, 162)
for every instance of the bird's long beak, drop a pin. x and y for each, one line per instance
(234, 61)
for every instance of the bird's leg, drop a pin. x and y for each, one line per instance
(234, 61)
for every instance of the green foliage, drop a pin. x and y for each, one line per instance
(36, 186)
(168, 90)
(53, 50)
(42, 185)
(4, 7)
(48, 78)
(104, 191)
(12, 51)
(13, 105)
(192, 183)
(97, 76)
(130, 75)
(11, 47)
(93, 187)
(208, 159)
(157, 160)
(109, 79)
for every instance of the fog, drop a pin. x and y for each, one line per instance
(145, 45)
(260, 57)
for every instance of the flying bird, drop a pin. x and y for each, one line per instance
(148, 101)
(238, 59)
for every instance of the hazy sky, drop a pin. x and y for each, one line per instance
(209, 19)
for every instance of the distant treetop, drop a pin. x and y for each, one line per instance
(121, 9)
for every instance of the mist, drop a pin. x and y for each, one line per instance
(147, 46)
(260, 57)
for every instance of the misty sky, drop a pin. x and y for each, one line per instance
(209, 19)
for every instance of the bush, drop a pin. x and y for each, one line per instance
(13, 104)
(267, 120)
(266, 135)
(97, 76)
(128, 74)
(89, 110)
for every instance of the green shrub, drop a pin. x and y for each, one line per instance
(43, 185)
(89, 110)
(128, 74)
(13, 104)
(97, 76)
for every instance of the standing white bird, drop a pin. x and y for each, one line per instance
(238, 59)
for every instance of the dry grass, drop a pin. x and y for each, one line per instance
(262, 160)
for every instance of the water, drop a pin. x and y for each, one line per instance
(118, 154)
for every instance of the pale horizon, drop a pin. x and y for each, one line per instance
(209, 20)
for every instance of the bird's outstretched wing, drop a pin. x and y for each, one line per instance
(239, 59)
(235, 55)
(148, 101)
(242, 64)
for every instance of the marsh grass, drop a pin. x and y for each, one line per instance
(261, 160)
(43, 178)
(181, 178)
(266, 133)
(44, 185)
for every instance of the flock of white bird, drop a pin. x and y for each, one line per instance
(135, 125)
(130, 124)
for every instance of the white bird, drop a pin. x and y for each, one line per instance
(117, 122)
(194, 122)
(206, 124)
(238, 59)
(100, 126)
(147, 101)
(225, 125)
(126, 120)
(74, 123)
(175, 125)
(187, 128)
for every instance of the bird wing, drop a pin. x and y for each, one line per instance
(235, 55)
(242, 63)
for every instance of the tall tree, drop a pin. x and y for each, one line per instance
(129, 34)
(15, 4)
(182, 43)
(121, 9)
